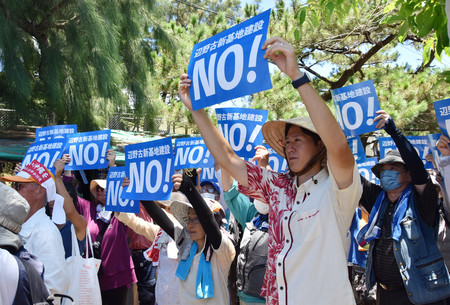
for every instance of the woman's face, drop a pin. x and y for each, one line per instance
(194, 227)
(101, 195)
(299, 148)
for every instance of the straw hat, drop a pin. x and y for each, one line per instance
(274, 131)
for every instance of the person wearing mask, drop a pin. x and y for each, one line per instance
(404, 259)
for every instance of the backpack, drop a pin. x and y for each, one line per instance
(31, 286)
(252, 258)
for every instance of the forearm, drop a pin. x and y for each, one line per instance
(159, 217)
(219, 148)
(414, 164)
(138, 225)
(240, 206)
(203, 212)
(78, 221)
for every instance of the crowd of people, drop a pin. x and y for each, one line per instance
(319, 234)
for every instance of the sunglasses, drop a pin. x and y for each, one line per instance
(209, 190)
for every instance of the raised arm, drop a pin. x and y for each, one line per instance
(156, 213)
(217, 145)
(417, 171)
(78, 221)
(339, 154)
(204, 214)
(138, 225)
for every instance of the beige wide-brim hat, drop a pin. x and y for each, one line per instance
(175, 196)
(93, 186)
(274, 131)
(180, 208)
(14, 210)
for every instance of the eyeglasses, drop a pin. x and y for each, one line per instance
(99, 188)
(193, 220)
(16, 185)
(210, 190)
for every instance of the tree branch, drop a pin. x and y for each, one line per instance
(357, 65)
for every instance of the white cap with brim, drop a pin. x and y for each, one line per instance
(14, 210)
(32, 173)
(274, 131)
(97, 182)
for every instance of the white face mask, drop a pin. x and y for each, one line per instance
(262, 207)
(208, 195)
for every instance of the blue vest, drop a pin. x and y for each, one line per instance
(418, 258)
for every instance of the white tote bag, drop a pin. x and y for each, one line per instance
(84, 286)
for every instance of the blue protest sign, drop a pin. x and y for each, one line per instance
(88, 149)
(208, 174)
(149, 166)
(442, 109)
(192, 153)
(357, 148)
(46, 152)
(242, 129)
(114, 191)
(432, 140)
(420, 143)
(356, 106)
(277, 163)
(230, 64)
(365, 169)
(55, 131)
(386, 144)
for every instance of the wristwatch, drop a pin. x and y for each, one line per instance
(301, 81)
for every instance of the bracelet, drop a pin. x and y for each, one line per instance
(301, 81)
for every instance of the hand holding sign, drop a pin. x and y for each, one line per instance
(283, 55)
(443, 145)
(261, 156)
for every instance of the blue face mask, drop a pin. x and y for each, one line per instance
(389, 180)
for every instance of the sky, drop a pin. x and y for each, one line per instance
(407, 53)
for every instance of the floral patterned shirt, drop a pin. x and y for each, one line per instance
(306, 222)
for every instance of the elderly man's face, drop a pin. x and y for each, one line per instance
(31, 191)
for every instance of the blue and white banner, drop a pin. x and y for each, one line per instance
(442, 109)
(420, 143)
(277, 163)
(192, 153)
(114, 191)
(230, 64)
(208, 174)
(88, 149)
(46, 152)
(365, 169)
(356, 106)
(149, 166)
(242, 129)
(357, 148)
(386, 144)
(56, 131)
